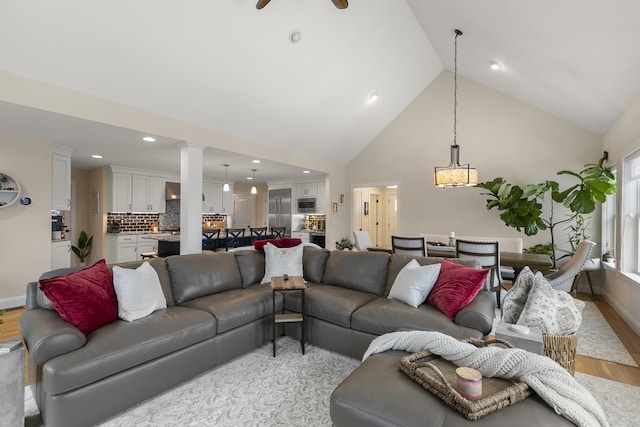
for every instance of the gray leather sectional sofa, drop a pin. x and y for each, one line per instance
(217, 310)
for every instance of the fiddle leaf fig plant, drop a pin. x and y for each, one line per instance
(521, 208)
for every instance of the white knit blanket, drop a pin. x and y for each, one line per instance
(549, 380)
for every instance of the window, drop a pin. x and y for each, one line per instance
(609, 222)
(630, 218)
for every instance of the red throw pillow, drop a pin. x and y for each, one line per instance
(286, 242)
(456, 287)
(85, 298)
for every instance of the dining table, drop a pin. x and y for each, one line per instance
(517, 260)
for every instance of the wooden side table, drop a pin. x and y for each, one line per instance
(278, 284)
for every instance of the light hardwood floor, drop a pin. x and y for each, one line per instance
(588, 365)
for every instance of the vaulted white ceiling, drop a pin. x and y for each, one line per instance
(226, 66)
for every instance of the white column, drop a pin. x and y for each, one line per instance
(191, 174)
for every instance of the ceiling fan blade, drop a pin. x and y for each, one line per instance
(341, 4)
(262, 3)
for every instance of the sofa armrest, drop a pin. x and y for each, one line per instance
(47, 335)
(479, 314)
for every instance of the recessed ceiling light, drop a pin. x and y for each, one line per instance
(96, 156)
(392, 186)
(373, 98)
(294, 37)
(306, 171)
(249, 178)
(255, 161)
(149, 139)
(495, 66)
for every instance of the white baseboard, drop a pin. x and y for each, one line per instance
(14, 302)
(631, 320)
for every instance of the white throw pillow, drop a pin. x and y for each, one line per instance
(516, 298)
(138, 291)
(279, 261)
(553, 312)
(414, 282)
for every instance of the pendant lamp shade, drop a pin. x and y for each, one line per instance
(455, 174)
(225, 187)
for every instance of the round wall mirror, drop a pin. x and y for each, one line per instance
(9, 190)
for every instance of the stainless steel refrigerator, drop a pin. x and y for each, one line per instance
(280, 209)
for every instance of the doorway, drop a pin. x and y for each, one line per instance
(243, 208)
(375, 210)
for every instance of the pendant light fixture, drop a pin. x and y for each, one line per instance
(254, 190)
(225, 187)
(455, 175)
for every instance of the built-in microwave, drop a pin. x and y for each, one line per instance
(307, 205)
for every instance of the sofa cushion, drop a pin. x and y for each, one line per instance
(197, 275)
(414, 282)
(551, 311)
(286, 242)
(122, 345)
(384, 315)
(251, 265)
(138, 291)
(360, 271)
(160, 266)
(238, 307)
(314, 262)
(333, 304)
(516, 298)
(280, 261)
(456, 287)
(398, 261)
(85, 298)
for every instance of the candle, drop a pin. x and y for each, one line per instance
(469, 383)
(452, 234)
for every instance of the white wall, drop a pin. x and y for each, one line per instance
(25, 231)
(620, 291)
(497, 134)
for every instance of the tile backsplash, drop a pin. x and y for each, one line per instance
(170, 220)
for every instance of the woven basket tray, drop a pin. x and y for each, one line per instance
(437, 375)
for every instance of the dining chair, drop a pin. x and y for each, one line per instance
(409, 245)
(278, 232)
(362, 240)
(563, 279)
(487, 254)
(210, 239)
(257, 233)
(235, 237)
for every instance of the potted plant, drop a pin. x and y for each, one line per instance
(344, 244)
(84, 247)
(521, 208)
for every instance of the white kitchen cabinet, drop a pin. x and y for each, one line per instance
(306, 189)
(60, 254)
(302, 235)
(61, 182)
(120, 192)
(146, 245)
(214, 200)
(122, 248)
(211, 197)
(147, 194)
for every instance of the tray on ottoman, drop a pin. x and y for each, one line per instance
(437, 376)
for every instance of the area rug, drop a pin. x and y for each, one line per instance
(596, 338)
(619, 401)
(255, 389)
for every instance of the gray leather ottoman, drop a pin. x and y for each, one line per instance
(378, 394)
